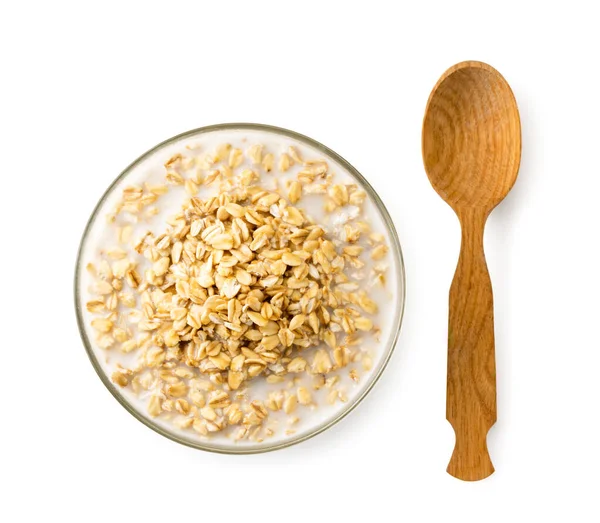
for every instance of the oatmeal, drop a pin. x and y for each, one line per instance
(239, 287)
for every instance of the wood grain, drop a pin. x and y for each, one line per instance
(471, 152)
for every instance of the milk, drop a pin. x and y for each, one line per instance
(150, 168)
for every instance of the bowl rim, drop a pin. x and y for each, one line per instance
(373, 379)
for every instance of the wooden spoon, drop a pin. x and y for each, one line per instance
(471, 152)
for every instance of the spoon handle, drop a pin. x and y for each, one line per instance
(471, 382)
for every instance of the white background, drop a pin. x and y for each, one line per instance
(87, 87)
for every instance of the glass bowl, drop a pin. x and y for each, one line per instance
(387, 346)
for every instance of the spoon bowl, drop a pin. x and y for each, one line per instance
(472, 136)
(471, 152)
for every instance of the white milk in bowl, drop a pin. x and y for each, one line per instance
(240, 288)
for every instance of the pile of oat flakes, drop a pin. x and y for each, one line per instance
(238, 287)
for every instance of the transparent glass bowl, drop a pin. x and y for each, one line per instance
(395, 315)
